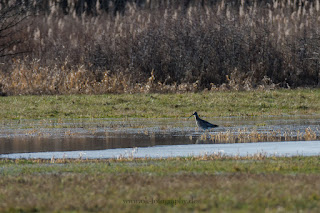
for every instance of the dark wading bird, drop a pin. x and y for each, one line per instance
(202, 123)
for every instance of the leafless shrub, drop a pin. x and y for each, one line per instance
(11, 19)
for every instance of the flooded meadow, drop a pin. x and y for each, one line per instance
(114, 138)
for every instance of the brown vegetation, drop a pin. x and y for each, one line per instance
(174, 47)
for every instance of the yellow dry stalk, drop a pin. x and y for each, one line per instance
(310, 134)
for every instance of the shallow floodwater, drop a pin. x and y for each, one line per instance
(115, 136)
(292, 148)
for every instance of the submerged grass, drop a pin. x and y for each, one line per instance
(207, 183)
(217, 103)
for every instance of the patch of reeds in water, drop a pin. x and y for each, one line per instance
(246, 136)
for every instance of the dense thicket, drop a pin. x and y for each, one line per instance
(169, 45)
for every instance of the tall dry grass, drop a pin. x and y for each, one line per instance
(239, 45)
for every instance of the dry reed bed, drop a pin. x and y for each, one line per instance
(226, 45)
(244, 136)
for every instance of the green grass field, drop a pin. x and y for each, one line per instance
(210, 183)
(210, 104)
(192, 184)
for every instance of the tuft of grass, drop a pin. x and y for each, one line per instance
(208, 104)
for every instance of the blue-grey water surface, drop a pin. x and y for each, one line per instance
(105, 138)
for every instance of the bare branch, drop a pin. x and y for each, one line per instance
(11, 19)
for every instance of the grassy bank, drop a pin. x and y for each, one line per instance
(211, 183)
(228, 103)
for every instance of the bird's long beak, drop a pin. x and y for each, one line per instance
(190, 116)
